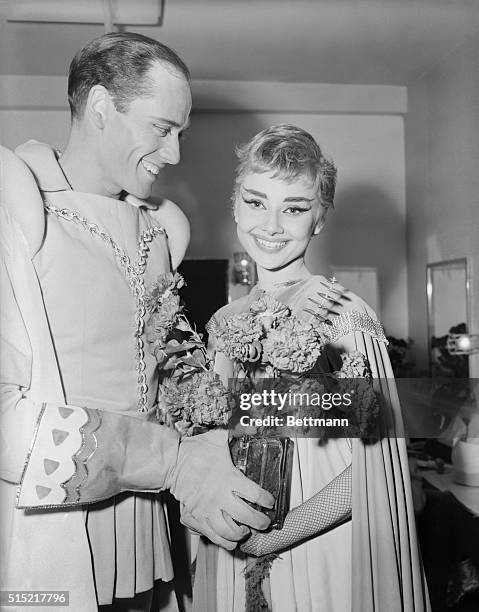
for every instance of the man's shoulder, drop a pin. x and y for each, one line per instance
(176, 224)
(21, 199)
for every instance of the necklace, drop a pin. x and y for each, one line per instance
(134, 273)
(289, 283)
(282, 285)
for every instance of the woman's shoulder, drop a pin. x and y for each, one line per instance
(235, 307)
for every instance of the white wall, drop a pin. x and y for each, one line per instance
(365, 137)
(442, 152)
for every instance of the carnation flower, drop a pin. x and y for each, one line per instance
(164, 285)
(354, 365)
(238, 337)
(269, 310)
(293, 346)
(200, 399)
(163, 319)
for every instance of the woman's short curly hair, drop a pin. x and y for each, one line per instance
(289, 153)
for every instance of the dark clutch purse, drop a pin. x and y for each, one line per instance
(268, 462)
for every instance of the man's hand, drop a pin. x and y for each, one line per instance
(212, 491)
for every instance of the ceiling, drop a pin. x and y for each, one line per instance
(328, 41)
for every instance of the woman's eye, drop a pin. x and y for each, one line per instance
(295, 210)
(253, 203)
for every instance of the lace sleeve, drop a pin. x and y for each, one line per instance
(329, 507)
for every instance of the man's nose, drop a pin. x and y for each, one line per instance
(170, 151)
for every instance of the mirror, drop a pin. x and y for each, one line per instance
(448, 312)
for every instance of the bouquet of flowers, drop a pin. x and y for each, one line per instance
(272, 343)
(277, 349)
(191, 396)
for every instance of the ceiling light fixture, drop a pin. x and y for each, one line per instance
(119, 12)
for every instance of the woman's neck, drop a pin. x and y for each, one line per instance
(295, 271)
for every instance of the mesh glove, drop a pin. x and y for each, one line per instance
(326, 509)
(212, 491)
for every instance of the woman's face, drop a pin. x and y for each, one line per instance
(276, 218)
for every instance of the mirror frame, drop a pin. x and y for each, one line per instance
(430, 299)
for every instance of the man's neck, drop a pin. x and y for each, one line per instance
(82, 168)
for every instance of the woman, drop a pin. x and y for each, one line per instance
(284, 188)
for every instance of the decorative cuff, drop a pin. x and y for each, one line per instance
(56, 467)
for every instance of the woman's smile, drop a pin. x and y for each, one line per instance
(268, 244)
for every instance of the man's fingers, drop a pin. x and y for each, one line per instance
(249, 490)
(203, 527)
(246, 531)
(241, 512)
(227, 530)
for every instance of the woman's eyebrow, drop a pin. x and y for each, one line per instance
(298, 199)
(256, 193)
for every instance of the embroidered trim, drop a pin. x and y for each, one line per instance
(27, 460)
(88, 446)
(353, 321)
(134, 275)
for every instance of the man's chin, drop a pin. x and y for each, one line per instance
(141, 192)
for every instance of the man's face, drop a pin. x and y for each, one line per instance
(135, 145)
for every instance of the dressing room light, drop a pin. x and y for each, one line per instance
(463, 344)
(243, 269)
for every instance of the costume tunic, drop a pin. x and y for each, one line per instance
(367, 564)
(90, 310)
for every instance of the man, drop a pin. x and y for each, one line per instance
(78, 382)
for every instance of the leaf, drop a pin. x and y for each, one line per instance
(194, 361)
(183, 325)
(172, 363)
(175, 347)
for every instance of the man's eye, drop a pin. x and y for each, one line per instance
(162, 130)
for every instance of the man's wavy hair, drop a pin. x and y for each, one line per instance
(289, 153)
(119, 61)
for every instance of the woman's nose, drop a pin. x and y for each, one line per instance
(272, 224)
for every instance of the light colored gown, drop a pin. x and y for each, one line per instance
(339, 571)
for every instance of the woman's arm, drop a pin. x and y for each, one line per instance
(325, 510)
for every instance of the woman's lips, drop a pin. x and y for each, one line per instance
(270, 245)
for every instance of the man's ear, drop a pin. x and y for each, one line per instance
(97, 105)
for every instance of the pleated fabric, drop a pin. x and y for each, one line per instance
(129, 544)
